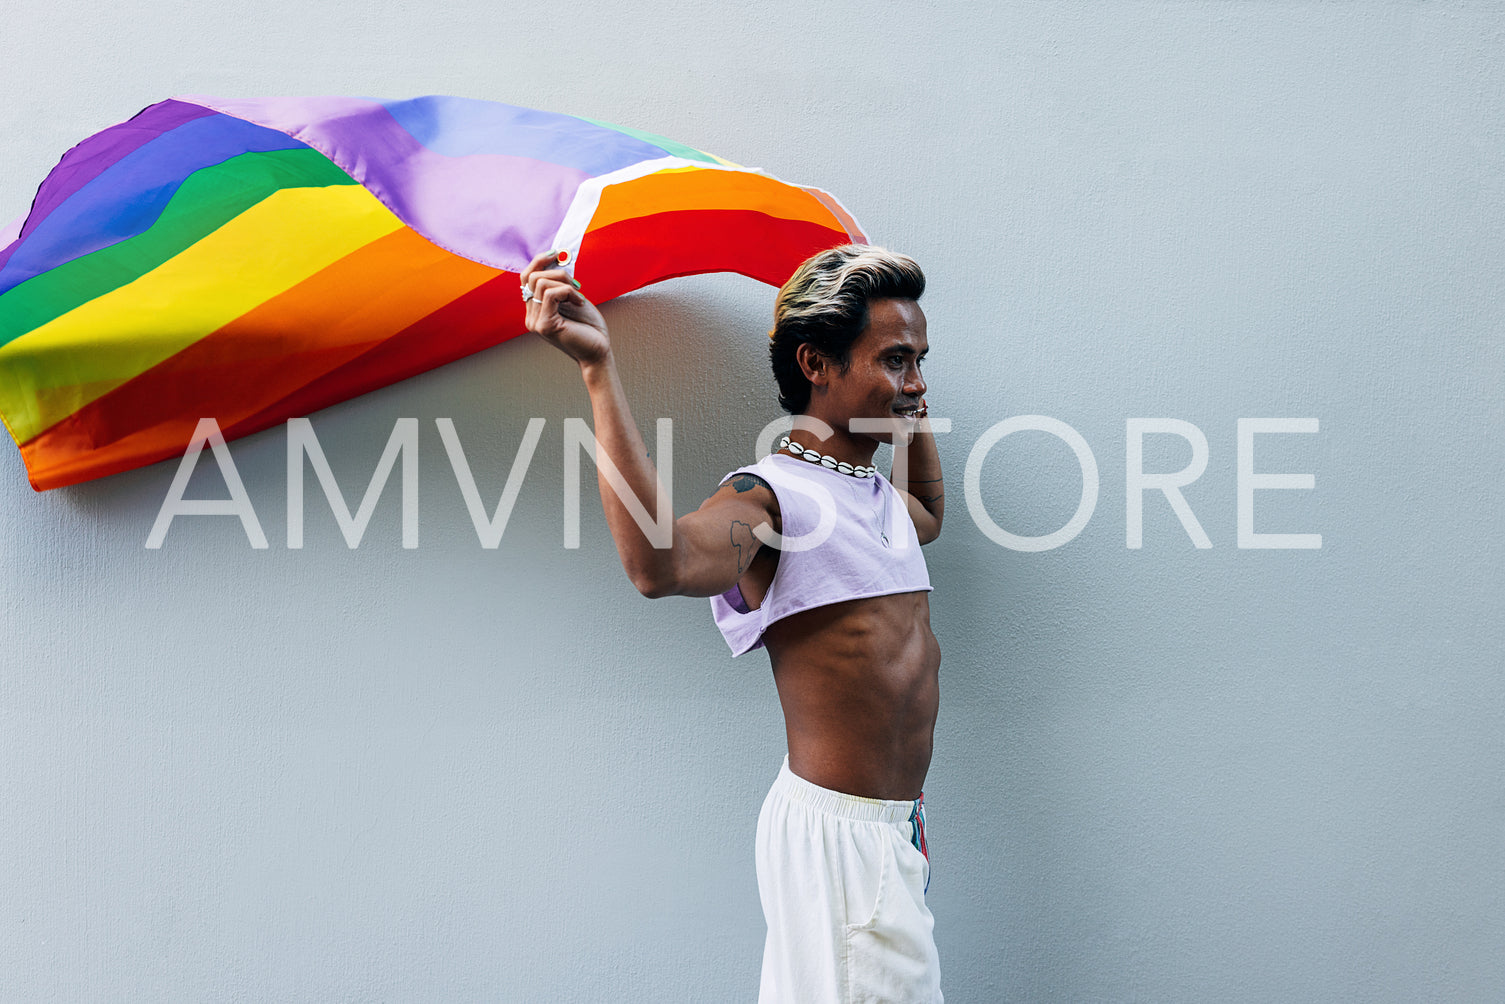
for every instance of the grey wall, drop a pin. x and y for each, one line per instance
(1161, 774)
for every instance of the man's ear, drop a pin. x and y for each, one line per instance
(814, 365)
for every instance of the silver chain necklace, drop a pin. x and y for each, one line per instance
(826, 460)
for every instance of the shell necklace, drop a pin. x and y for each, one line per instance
(826, 460)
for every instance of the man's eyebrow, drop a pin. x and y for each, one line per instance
(902, 350)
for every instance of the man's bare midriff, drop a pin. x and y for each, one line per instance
(859, 684)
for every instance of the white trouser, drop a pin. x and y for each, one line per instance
(843, 889)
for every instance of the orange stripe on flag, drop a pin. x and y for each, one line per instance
(698, 189)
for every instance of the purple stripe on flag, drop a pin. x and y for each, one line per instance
(499, 201)
(85, 161)
(128, 196)
(453, 127)
(461, 127)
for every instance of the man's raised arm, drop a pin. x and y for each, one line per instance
(710, 548)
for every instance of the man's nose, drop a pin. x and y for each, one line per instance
(915, 384)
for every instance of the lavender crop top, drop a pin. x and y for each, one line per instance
(869, 548)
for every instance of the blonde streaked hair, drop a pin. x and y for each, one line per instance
(825, 304)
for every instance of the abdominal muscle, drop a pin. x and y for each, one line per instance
(859, 684)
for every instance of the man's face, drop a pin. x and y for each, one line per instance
(883, 380)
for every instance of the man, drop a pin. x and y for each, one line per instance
(815, 556)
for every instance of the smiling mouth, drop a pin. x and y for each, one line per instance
(907, 412)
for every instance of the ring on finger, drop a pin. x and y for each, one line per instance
(527, 293)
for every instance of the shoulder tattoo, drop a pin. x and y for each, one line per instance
(747, 482)
(744, 543)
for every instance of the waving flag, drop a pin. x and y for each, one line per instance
(258, 259)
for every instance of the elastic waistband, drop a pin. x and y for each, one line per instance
(836, 803)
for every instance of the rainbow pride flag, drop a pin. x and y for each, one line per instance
(257, 259)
